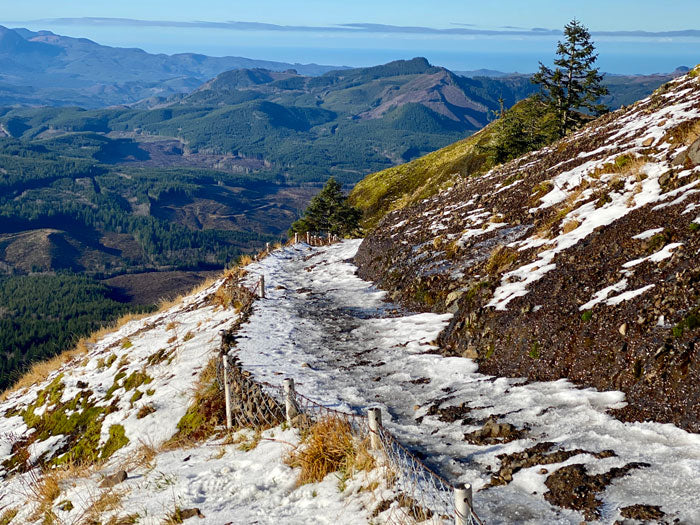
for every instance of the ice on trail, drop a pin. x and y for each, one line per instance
(348, 348)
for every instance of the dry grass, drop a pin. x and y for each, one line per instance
(107, 501)
(245, 260)
(328, 447)
(570, 226)
(501, 259)
(684, 134)
(42, 490)
(7, 516)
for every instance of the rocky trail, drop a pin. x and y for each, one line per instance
(535, 452)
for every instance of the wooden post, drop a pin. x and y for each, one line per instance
(463, 503)
(290, 405)
(375, 421)
(267, 247)
(262, 286)
(308, 238)
(227, 391)
(296, 238)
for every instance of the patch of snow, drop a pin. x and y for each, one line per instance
(626, 296)
(664, 253)
(603, 294)
(648, 233)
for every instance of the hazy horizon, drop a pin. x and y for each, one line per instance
(508, 50)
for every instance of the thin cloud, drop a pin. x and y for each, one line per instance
(463, 29)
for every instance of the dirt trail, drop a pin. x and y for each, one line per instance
(348, 348)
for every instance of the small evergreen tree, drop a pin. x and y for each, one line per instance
(574, 84)
(527, 126)
(329, 212)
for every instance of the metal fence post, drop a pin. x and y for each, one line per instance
(296, 238)
(262, 286)
(308, 238)
(267, 247)
(227, 391)
(463, 503)
(290, 405)
(375, 421)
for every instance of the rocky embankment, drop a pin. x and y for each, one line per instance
(580, 260)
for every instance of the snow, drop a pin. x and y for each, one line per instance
(626, 296)
(648, 233)
(603, 294)
(348, 348)
(664, 253)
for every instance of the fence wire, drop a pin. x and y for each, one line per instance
(423, 495)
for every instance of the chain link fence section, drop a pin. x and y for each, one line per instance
(423, 495)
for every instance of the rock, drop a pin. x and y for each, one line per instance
(648, 142)
(191, 513)
(453, 296)
(471, 352)
(665, 177)
(689, 156)
(114, 479)
(623, 329)
(543, 471)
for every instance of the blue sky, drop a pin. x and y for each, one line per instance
(474, 35)
(650, 15)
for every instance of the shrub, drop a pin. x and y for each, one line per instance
(586, 316)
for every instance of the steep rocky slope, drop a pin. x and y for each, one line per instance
(579, 260)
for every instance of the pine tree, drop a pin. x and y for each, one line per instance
(574, 84)
(329, 212)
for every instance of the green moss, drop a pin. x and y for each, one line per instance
(66, 505)
(489, 351)
(117, 439)
(691, 322)
(115, 384)
(137, 395)
(158, 356)
(694, 227)
(137, 379)
(534, 350)
(656, 242)
(150, 391)
(586, 316)
(622, 161)
(126, 343)
(78, 419)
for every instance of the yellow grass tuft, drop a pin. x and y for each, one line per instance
(245, 260)
(570, 225)
(328, 447)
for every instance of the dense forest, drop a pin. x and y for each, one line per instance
(40, 316)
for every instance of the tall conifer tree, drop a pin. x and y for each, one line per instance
(574, 84)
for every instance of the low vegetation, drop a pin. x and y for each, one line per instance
(329, 446)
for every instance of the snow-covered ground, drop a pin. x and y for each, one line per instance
(348, 348)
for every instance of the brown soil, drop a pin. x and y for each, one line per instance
(572, 487)
(539, 454)
(647, 347)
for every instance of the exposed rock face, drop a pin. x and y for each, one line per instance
(581, 260)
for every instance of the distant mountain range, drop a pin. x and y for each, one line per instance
(45, 69)
(42, 68)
